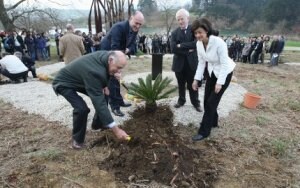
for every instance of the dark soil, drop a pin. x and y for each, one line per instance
(156, 152)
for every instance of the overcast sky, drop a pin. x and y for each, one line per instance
(78, 4)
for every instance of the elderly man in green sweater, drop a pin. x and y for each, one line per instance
(89, 75)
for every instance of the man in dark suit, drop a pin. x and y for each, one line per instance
(185, 60)
(89, 75)
(122, 36)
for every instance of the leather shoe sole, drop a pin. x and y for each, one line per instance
(126, 105)
(198, 137)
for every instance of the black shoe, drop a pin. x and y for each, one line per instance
(98, 128)
(125, 104)
(198, 137)
(177, 105)
(118, 112)
(198, 108)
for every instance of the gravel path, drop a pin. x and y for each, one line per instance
(38, 97)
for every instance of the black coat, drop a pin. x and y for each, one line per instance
(119, 38)
(181, 55)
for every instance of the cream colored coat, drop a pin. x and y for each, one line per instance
(71, 47)
(216, 54)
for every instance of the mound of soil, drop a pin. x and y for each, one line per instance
(156, 153)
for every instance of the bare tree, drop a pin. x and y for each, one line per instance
(112, 10)
(168, 13)
(5, 18)
(38, 19)
(13, 17)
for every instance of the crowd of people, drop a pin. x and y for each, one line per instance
(254, 49)
(94, 64)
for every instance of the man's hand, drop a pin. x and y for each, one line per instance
(218, 87)
(195, 85)
(117, 76)
(106, 91)
(120, 133)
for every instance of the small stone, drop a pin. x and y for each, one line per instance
(185, 184)
(131, 178)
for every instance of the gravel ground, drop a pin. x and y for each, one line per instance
(38, 97)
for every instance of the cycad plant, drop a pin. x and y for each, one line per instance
(151, 92)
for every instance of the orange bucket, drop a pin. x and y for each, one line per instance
(251, 100)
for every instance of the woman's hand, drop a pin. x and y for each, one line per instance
(218, 87)
(195, 85)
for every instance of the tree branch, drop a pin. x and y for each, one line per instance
(15, 5)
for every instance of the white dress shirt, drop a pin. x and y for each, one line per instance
(216, 54)
(13, 64)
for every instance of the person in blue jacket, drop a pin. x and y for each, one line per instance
(122, 36)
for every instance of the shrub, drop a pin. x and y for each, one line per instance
(151, 92)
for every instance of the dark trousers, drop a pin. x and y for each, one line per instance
(115, 97)
(211, 102)
(80, 112)
(186, 77)
(32, 70)
(15, 77)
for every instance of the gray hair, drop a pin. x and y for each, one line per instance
(182, 11)
(70, 27)
(114, 56)
(18, 54)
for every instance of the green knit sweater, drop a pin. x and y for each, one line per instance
(88, 74)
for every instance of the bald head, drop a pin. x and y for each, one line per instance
(136, 21)
(116, 62)
(70, 27)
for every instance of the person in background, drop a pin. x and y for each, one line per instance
(30, 45)
(122, 36)
(213, 50)
(13, 68)
(28, 62)
(70, 45)
(57, 36)
(89, 75)
(183, 45)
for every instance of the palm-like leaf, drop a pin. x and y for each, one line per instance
(151, 92)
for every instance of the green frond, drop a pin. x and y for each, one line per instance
(151, 92)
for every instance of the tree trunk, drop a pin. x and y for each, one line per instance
(4, 18)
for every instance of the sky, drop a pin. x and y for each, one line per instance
(77, 4)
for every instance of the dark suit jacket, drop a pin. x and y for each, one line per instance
(119, 38)
(181, 55)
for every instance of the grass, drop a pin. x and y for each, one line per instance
(294, 105)
(262, 120)
(279, 147)
(291, 43)
(49, 154)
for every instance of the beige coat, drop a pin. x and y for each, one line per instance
(71, 47)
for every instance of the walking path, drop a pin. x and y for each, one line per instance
(37, 97)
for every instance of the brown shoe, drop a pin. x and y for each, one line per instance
(77, 146)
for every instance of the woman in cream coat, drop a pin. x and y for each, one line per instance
(212, 54)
